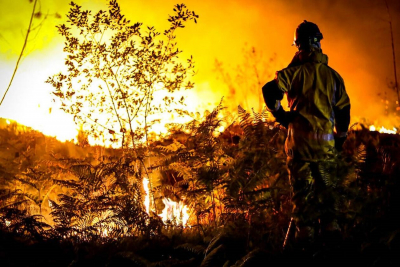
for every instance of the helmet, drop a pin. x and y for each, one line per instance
(306, 34)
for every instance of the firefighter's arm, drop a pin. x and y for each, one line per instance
(272, 97)
(342, 116)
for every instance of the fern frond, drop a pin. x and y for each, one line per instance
(173, 147)
(211, 256)
(196, 249)
(361, 154)
(212, 243)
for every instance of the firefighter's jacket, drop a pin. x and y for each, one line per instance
(318, 103)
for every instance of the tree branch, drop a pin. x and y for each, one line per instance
(396, 85)
(22, 51)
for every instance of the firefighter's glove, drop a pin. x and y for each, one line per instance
(282, 117)
(339, 141)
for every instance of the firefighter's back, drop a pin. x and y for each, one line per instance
(311, 87)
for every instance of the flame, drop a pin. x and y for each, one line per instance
(174, 212)
(104, 233)
(147, 197)
(383, 129)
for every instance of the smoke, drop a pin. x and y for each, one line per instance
(358, 43)
(356, 40)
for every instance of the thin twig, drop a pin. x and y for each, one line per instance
(288, 233)
(394, 56)
(22, 51)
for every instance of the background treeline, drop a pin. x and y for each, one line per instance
(65, 205)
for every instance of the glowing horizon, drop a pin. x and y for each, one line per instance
(364, 61)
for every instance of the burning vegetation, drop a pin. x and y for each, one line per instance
(214, 198)
(212, 190)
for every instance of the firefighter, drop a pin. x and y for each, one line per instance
(317, 122)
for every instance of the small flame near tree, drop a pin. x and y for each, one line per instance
(383, 130)
(147, 197)
(176, 213)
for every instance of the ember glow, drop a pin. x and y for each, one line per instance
(104, 233)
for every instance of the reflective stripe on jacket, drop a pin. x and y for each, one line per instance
(315, 92)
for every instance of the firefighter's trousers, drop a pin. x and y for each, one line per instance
(314, 197)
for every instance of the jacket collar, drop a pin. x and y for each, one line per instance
(313, 55)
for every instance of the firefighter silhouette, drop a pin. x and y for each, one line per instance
(317, 122)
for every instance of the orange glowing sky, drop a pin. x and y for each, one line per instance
(356, 39)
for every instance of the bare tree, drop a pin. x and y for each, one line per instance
(34, 15)
(396, 87)
(22, 51)
(245, 81)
